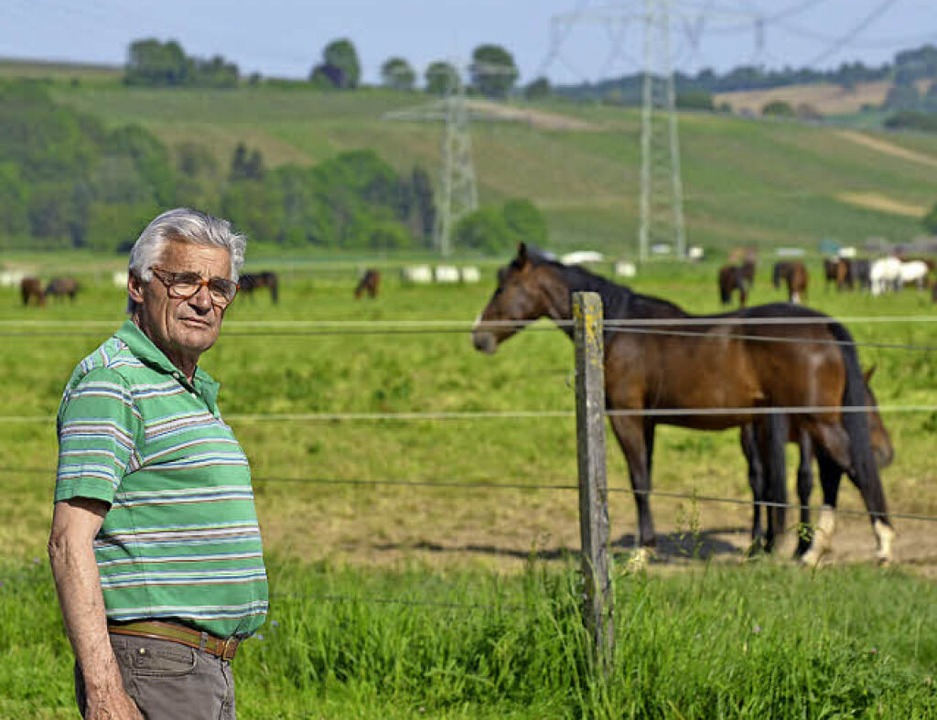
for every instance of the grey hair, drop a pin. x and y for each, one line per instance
(189, 226)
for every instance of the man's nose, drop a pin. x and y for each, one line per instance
(202, 299)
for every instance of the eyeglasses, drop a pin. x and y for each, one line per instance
(186, 285)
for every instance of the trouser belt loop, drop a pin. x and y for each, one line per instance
(203, 640)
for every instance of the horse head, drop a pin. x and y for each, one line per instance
(519, 297)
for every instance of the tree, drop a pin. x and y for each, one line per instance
(327, 77)
(525, 221)
(342, 55)
(902, 96)
(397, 74)
(493, 71)
(441, 78)
(930, 220)
(484, 230)
(157, 64)
(539, 89)
(246, 165)
(778, 108)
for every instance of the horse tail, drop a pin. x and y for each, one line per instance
(274, 288)
(725, 289)
(776, 276)
(856, 424)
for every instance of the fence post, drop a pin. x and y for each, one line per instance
(593, 490)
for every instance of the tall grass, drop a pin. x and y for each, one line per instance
(757, 641)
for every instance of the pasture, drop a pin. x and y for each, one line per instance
(414, 494)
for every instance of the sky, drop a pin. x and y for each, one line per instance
(566, 41)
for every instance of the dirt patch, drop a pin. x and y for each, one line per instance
(883, 146)
(875, 201)
(825, 98)
(540, 119)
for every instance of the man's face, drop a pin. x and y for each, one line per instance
(182, 329)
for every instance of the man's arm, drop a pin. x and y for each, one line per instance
(75, 523)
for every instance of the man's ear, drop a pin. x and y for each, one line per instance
(135, 288)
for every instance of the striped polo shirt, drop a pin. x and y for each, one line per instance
(181, 540)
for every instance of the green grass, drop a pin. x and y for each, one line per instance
(427, 563)
(760, 641)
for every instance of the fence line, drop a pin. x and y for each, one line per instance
(538, 487)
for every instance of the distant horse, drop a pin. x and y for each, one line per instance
(732, 279)
(795, 275)
(811, 546)
(858, 272)
(31, 290)
(60, 287)
(731, 368)
(915, 272)
(885, 275)
(369, 283)
(831, 272)
(249, 282)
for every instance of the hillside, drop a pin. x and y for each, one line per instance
(825, 98)
(746, 182)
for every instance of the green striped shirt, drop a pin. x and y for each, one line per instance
(181, 540)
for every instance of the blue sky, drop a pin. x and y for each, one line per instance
(285, 38)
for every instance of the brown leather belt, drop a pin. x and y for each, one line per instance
(159, 630)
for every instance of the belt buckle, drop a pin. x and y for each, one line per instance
(229, 647)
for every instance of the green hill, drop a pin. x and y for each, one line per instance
(746, 182)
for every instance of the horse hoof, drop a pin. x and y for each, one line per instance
(639, 560)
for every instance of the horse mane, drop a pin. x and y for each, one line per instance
(618, 301)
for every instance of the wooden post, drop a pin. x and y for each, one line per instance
(593, 490)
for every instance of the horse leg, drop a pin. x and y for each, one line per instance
(830, 475)
(835, 440)
(756, 480)
(804, 488)
(637, 443)
(772, 437)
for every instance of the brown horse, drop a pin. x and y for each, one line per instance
(31, 290)
(732, 279)
(248, 282)
(61, 287)
(709, 372)
(369, 283)
(795, 276)
(811, 547)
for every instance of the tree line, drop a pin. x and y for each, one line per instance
(68, 181)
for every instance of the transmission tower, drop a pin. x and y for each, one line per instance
(661, 183)
(661, 200)
(458, 193)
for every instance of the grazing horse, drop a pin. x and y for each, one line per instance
(811, 546)
(60, 287)
(915, 272)
(795, 275)
(369, 283)
(708, 372)
(731, 278)
(31, 290)
(248, 282)
(831, 272)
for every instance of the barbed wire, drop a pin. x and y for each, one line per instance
(557, 485)
(432, 416)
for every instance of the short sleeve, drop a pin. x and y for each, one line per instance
(97, 425)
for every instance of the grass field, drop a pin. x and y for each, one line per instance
(423, 561)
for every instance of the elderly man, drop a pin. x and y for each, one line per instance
(155, 546)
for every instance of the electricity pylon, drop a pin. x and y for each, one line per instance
(458, 193)
(661, 182)
(661, 200)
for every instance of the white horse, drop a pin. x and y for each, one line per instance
(885, 275)
(914, 271)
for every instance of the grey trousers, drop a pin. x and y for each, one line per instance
(170, 681)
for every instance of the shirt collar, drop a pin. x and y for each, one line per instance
(146, 351)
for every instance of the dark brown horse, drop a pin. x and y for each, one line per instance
(249, 282)
(731, 280)
(369, 283)
(62, 287)
(709, 372)
(811, 546)
(795, 276)
(31, 291)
